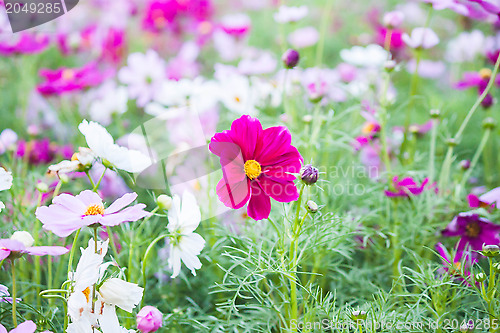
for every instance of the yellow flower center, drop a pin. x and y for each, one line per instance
(86, 292)
(252, 169)
(94, 210)
(485, 73)
(368, 128)
(237, 99)
(68, 74)
(473, 229)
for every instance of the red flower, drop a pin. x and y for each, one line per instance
(256, 164)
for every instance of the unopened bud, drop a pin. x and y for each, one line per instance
(480, 277)
(309, 174)
(290, 58)
(464, 164)
(359, 315)
(393, 19)
(24, 237)
(490, 251)
(312, 207)
(42, 187)
(435, 113)
(489, 123)
(164, 202)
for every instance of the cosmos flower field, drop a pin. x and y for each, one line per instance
(251, 166)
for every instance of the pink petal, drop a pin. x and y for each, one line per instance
(245, 132)
(26, 327)
(47, 250)
(3, 329)
(129, 214)
(233, 195)
(120, 203)
(4, 253)
(12, 245)
(89, 198)
(259, 206)
(282, 191)
(70, 203)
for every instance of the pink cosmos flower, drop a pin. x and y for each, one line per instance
(480, 80)
(473, 230)
(114, 45)
(26, 44)
(69, 213)
(64, 80)
(16, 248)
(237, 25)
(26, 327)
(42, 151)
(256, 164)
(456, 264)
(487, 200)
(407, 187)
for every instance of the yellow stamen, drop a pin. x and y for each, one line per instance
(473, 229)
(86, 292)
(485, 73)
(369, 128)
(94, 210)
(68, 74)
(237, 99)
(252, 169)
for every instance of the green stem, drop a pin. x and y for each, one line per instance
(475, 159)
(145, 260)
(14, 293)
(327, 11)
(96, 186)
(293, 255)
(445, 171)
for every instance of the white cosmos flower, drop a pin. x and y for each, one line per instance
(143, 75)
(372, 55)
(185, 245)
(122, 294)
(287, 14)
(108, 100)
(102, 145)
(5, 183)
(238, 95)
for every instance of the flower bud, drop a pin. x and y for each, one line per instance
(464, 164)
(23, 237)
(487, 102)
(435, 113)
(309, 174)
(467, 327)
(451, 142)
(312, 207)
(42, 187)
(390, 65)
(164, 202)
(480, 277)
(149, 319)
(393, 19)
(489, 123)
(358, 315)
(64, 178)
(490, 251)
(307, 118)
(290, 58)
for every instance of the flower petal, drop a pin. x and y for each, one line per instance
(259, 206)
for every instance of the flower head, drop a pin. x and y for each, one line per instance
(407, 187)
(183, 219)
(103, 146)
(26, 327)
(64, 80)
(21, 243)
(424, 38)
(473, 230)
(486, 200)
(27, 43)
(5, 183)
(287, 14)
(458, 263)
(149, 319)
(69, 213)
(257, 165)
(290, 58)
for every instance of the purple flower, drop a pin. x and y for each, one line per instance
(488, 199)
(69, 213)
(457, 263)
(480, 80)
(407, 187)
(473, 230)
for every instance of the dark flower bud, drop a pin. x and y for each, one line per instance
(290, 58)
(487, 102)
(490, 251)
(309, 174)
(311, 207)
(464, 164)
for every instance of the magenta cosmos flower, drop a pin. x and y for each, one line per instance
(64, 80)
(26, 44)
(489, 199)
(256, 164)
(69, 213)
(149, 319)
(408, 186)
(12, 248)
(457, 264)
(474, 231)
(480, 81)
